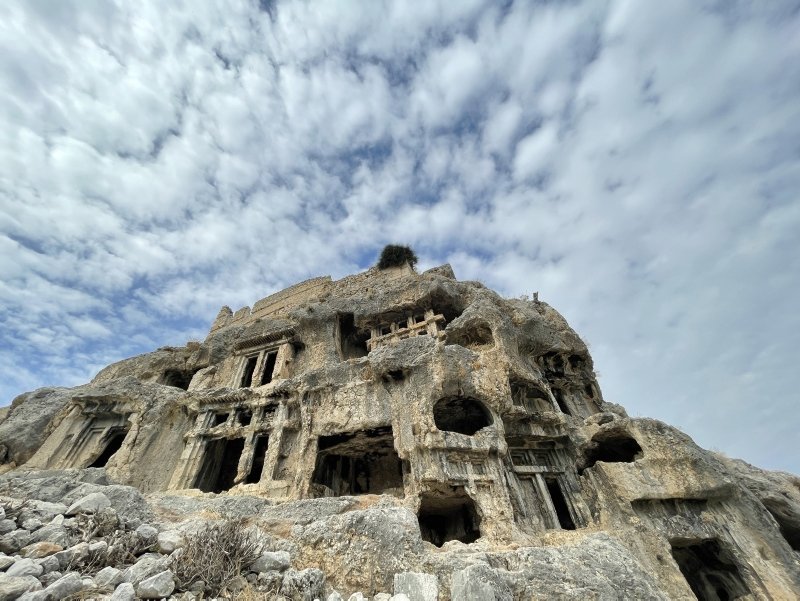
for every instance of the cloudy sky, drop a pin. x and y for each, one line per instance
(636, 163)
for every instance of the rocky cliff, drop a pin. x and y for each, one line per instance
(387, 433)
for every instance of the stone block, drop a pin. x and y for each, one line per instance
(417, 586)
(159, 586)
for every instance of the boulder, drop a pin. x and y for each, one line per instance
(303, 585)
(169, 540)
(12, 587)
(39, 550)
(124, 592)
(417, 586)
(159, 586)
(271, 561)
(25, 567)
(108, 578)
(91, 503)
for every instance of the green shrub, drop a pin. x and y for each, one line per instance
(394, 255)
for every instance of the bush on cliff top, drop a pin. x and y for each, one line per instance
(394, 255)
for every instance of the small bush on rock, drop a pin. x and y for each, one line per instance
(216, 555)
(395, 256)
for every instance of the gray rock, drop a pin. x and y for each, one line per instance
(44, 511)
(49, 564)
(124, 592)
(32, 524)
(13, 541)
(417, 586)
(25, 567)
(382, 597)
(147, 533)
(478, 582)
(7, 526)
(67, 585)
(357, 597)
(148, 565)
(335, 596)
(169, 540)
(305, 585)
(53, 533)
(99, 547)
(109, 577)
(49, 578)
(2, 512)
(399, 597)
(271, 561)
(157, 587)
(12, 587)
(6, 561)
(91, 503)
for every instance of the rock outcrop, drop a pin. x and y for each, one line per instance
(390, 433)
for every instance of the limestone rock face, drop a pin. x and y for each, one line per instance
(390, 433)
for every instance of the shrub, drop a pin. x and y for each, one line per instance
(395, 256)
(216, 555)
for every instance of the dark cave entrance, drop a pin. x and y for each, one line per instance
(352, 343)
(220, 464)
(559, 503)
(179, 378)
(709, 569)
(460, 414)
(611, 447)
(356, 463)
(446, 516)
(115, 440)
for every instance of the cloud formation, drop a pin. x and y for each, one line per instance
(637, 164)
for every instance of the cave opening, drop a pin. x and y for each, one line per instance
(356, 463)
(532, 398)
(220, 464)
(179, 378)
(559, 504)
(113, 444)
(259, 455)
(611, 447)
(710, 570)
(788, 525)
(461, 414)
(446, 516)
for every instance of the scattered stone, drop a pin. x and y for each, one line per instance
(49, 564)
(157, 587)
(14, 541)
(39, 550)
(2, 512)
(25, 567)
(169, 540)
(49, 578)
(147, 565)
(109, 577)
(7, 526)
(477, 582)
(335, 596)
(6, 561)
(91, 503)
(271, 561)
(54, 533)
(417, 586)
(305, 585)
(357, 597)
(99, 547)
(32, 524)
(67, 585)
(382, 597)
(124, 592)
(147, 534)
(12, 587)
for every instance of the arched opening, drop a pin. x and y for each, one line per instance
(611, 447)
(461, 414)
(179, 378)
(788, 523)
(451, 515)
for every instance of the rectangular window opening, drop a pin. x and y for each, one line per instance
(559, 504)
(220, 465)
(259, 454)
(269, 367)
(249, 368)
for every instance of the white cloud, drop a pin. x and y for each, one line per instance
(634, 164)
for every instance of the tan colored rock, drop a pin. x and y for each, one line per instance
(40, 549)
(395, 422)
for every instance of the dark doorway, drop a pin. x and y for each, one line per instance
(220, 464)
(709, 569)
(356, 463)
(259, 454)
(529, 396)
(269, 367)
(352, 343)
(460, 414)
(446, 516)
(560, 504)
(560, 401)
(112, 446)
(611, 447)
(249, 368)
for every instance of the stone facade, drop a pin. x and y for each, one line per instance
(473, 423)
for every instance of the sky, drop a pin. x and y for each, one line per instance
(635, 163)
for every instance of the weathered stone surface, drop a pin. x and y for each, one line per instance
(271, 561)
(91, 503)
(386, 424)
(108, 578)
(417, 586)
(124, 592)
(49, 564)
(304, 585)
(24, 567)
(5, 561)
(12, 587)
(158, 586)
(69, 584)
